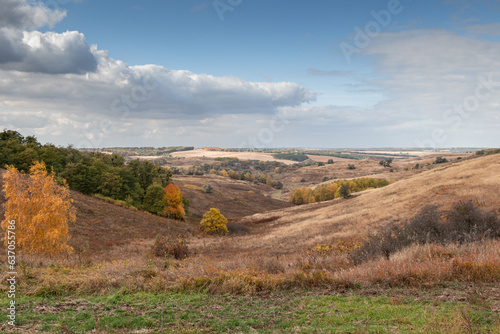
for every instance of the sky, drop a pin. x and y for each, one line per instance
(252, 73)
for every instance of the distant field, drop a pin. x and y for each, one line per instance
(199, 153)
(324, 158)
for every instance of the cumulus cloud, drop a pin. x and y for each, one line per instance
(63, 73)
(57, 86)
(22, 49)
(33, 51)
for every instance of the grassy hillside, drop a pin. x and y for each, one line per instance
(450, 288)
(100, 225)
(476, 179)
(235, 199)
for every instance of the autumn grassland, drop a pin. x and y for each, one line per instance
(281, 263)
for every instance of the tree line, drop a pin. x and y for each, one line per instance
(91, 173)
(336, 189)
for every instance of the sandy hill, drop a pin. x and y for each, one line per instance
(303, 226)
(235, 199)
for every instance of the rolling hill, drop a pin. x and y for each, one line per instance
(287, 230)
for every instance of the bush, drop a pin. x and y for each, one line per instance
(386, 162)
(237, 229)
(213, 222)
(278, 185)
(440, 160)
(351, 166)
(465, 222)
(330, 161)
(170, 246)
(208, 189)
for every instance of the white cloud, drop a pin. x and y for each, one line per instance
(75, 91)
(22, 49)
(20, 14)
(33, 51)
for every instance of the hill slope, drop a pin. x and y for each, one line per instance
(235, 199)
(103, 225)
(287, 229)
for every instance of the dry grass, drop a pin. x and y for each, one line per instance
(234, 198)
(277, 254)
(134, 269)
(307, 225)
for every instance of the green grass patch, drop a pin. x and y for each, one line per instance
(275, 313)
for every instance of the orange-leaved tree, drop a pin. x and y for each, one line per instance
(41, 210)
(172, 200)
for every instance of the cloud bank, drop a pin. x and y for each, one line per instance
(65, 83)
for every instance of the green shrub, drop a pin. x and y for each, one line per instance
(386, 162)
(208, 189)
(440, 160)
(278, 185)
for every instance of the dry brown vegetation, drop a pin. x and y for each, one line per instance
(280, 251)
(307, 225)
(234, 199)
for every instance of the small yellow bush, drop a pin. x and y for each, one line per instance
(214, 222)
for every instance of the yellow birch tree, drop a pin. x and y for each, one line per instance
(41, 210)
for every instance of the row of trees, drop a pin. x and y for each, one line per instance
(86, 172)
(38, 210)
(340, 188)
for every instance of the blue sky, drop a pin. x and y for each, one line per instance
(252, 73)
